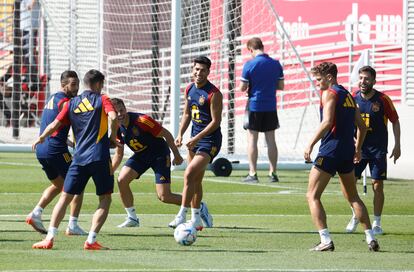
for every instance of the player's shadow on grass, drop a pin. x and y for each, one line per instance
(199, 248)
(139, 235)
(17, 231)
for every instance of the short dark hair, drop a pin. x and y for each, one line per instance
(117, 101)
(203, 60)
(64, 77)
(325, 68)
(92, 77)
(368, 69)
(255, 44)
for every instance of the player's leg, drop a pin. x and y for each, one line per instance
(132, 169)
(350, 192)
(379, 174)
(104, 183)
(50, 167)
(269, 124)
(272, 154)
(318, 180)
(57, 217)
(192, 185)
(35, 217)
(162, 170)
(75, 207)
(353, 222)
(252, 154)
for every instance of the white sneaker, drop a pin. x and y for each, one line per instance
(177, 221)
(352, 225)
(206, 216)
(377, 230)
(36, 223)
(198, 225)
(129, 223)
(75, 231)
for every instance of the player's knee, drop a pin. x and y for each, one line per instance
(162, 197)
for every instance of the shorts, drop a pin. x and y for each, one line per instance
(161, 166)
(56, 166)
(263, 121)
(377, 168)
(333, 165)
(210, 147)
(78, 176)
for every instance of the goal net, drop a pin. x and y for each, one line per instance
(137, 58)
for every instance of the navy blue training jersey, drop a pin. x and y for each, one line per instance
(87, 114)
(338, 142)
(376, 112)
(141, 136)
(199, 104)
(56, 143)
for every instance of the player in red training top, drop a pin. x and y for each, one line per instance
(151, 144)
(54, 156)
(376, 109)
(88, 114)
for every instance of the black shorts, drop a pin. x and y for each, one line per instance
(263, 121)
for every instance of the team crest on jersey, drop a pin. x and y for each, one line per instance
(201, 100)
(375, 107)
(135, 131)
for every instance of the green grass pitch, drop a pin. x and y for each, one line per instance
(263, 227)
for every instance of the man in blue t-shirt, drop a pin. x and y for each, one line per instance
(261, 77)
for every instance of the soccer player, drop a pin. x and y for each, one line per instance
(151, 144)
(88, 114)
(261, 77)
(376, 109)
(54, 156)
(203, 107)
(337, 153)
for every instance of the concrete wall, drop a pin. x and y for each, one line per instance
(404, 168)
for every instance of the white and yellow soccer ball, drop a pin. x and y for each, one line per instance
(185, 234)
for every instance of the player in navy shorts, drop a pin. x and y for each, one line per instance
(90, 114)
(337, 153)
(54, 156)
(376, 109)
(203, 107)
(151, 144)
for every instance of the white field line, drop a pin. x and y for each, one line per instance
(212, 270)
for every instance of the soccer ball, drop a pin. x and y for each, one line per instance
(185, 234)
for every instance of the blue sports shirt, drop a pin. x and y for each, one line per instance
(262, 74)
(55, 144)
(338, 142)
(376, 112)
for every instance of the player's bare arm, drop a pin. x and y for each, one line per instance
(164, 133)
(329, 104)
(113, 124)
(185, 122)
(117, 157)
(216, 108)
(396, 151)
(244, 86)
(361, 133)
(281, 84)
(52, 127)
